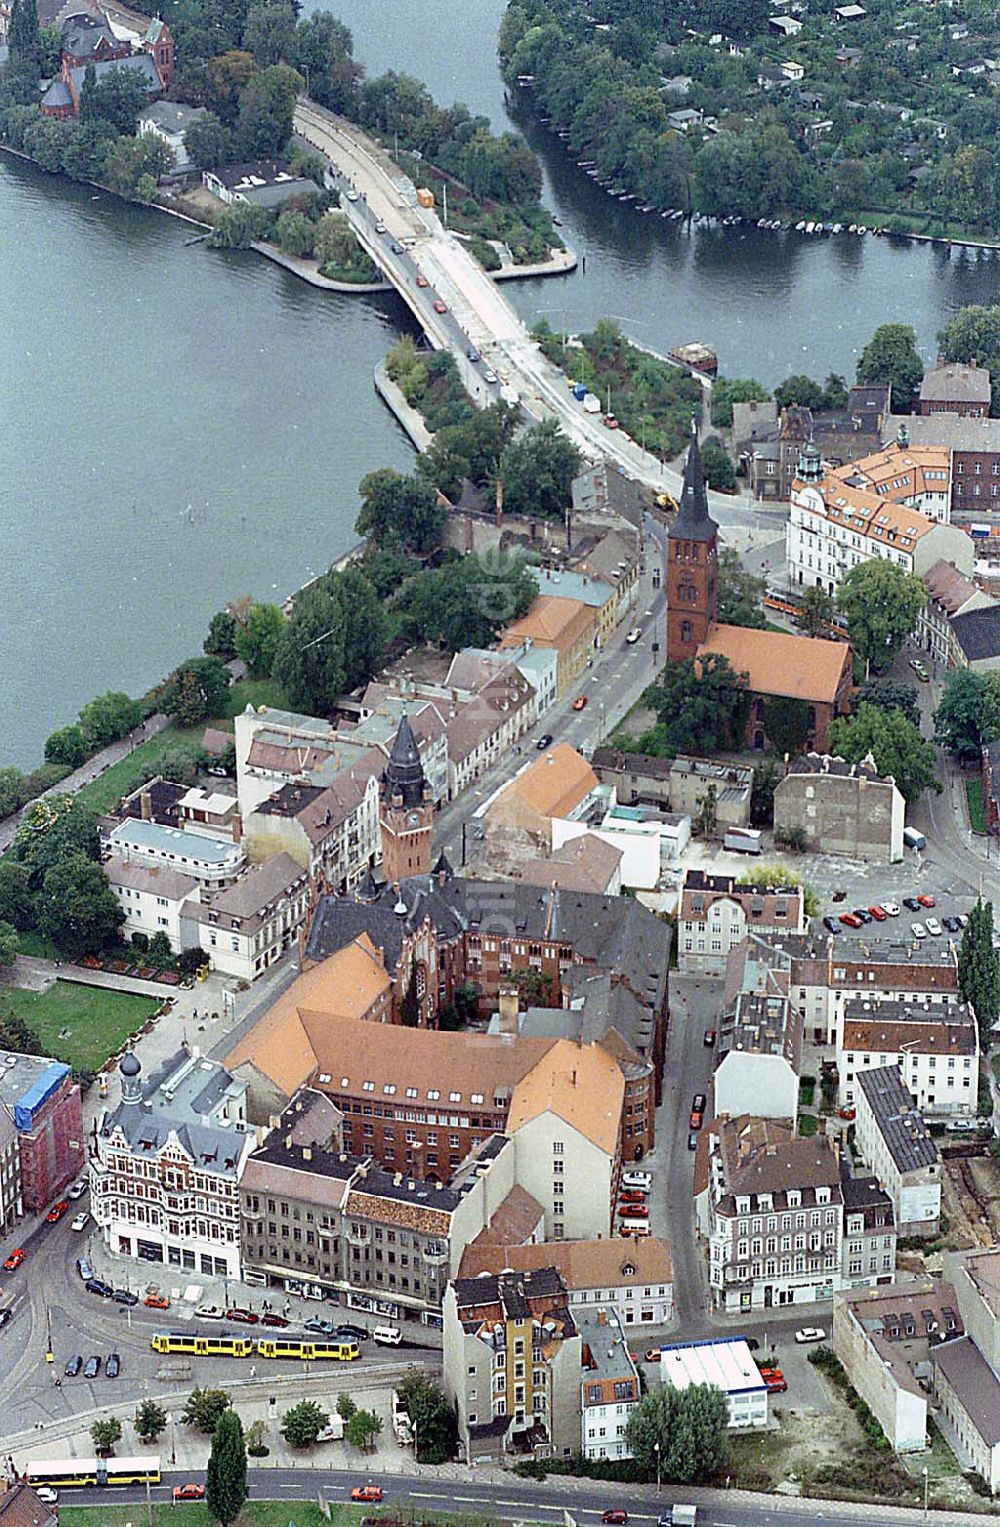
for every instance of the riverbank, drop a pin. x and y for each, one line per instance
(409, 419)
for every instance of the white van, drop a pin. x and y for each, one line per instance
(632, 1179)
(387, 1336)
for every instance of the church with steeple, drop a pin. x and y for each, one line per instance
(406, 811)
(692, 563)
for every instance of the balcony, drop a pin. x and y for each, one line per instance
(357, 1235)
(435, 1253)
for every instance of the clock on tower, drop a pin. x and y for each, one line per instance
(406, 811)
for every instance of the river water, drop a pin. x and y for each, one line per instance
(179, 426)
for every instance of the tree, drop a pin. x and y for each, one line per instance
(973, 334)
(894, 743)
(466, 601)
(204, 1408)
(538, 468)
(8, 944)
(717, 465)
(195, 690)
(881, 604)
(11, 791)
(891, 356)
(786, 723)
(681, 1434)
(776, 877)
(226, 1475)
(702, 706)
(51, 830)
(362, 1429)
(433, 1419)
(267, 103)
(159, 946)
(117, 98)
(740, 594)
(345, 1406)
(730, 390)
(295, 233)
(706, 821)
(534, 987)
(67, 746)
(241, 226)
(257, 639)
(979, 969)
(210, 144)
(128, 162)
(17, 905)
(105, 1434)
(108, 718)
(77, 908)
(150, 1420)
(766, 775)
(268, 32)
(968, 716)
(15, 1034)
(23, 38)
(888, 694)
(334, 640)
(400, 511)
(816, 611)
(302, 1423)
(221, 639)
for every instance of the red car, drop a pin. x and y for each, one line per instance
(616, 1518)
(439, 306)
(189, 1492)
(156, 1302)
(14, 1260)
(632, 1196)
(633, 1211)
(244, 1317)
(846, 1113)
(879, 913)
(580, 702)
(849, 920)
(775, 1380)
(927, 901)
(274, 1320)
(57, 1211)
(422, 281)
(696, 1119)
(367, 1493)
(708, 1039)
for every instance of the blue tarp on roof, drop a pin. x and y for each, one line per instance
(38, 1094)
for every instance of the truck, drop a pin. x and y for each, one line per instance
(592, 403)
(334, 1432)
(743, 840)
(402, 1426)
(913, 839)
(679, 1516)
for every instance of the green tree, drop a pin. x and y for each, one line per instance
(150, 1420)
(117, 98)
(362, 1429)
(682, 1434)
(968, 716)
(267, 103)
(23, 38)
(257, 639)
(334, 640)
(816, 610)
(730, 390)
(466, 601)
(109, 717)
(345, 1406)
(702, 706)
(777, 877)
(534, 988)
(740, 594)
(77, 908)
(204, 1408)
(268, 32)
(127, 163)
(221, 639)
(104, 1434)
(538, 468)
(706, 820)
(15, 1034)
(11, 791)
(881, 604)
(67, 746)
(717, 465)
(800, 390)
(888, 694)
(894, 743)
(17, 905)
(786, 723)
(295, 233)
(302, 1423)
(8, 944)
(766, 775)
(226, 1475)
(979, 970)
(51, 830)
(973, 334)
(400, 510)
(159, 946)
(195, 690)
(210, 144)
(434, 1426)
(240, 226)
(891, 356)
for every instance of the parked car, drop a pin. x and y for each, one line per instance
(320, 1327)
(351, 195)
(188, 1492)
(636, 1179)
(926, 900)
(124, 1296)
(952, 924)
(397, 248)
(831, 925)
(156, 1302)
(775, 1381)
(379, 227)
(810, 1333)
(862, 914)
(84, 1268)
(921, 673)
(698, 1102)
(73, 1367)
(933, 927)
(14, 1261)
(879, 913)
(708, 1039)
(753, 1345)
(849, 920)
(615, 1517)
(98, 1286)
(348, 1332)
(652, 1354)
(80, 1221)
(243, 1317)
(962, 919)
(847, 1113)
(46, 1494)
(210, 1312)
(580, 702)
(93, 1368)
(911, 903)
(633, 1195)
(6, 1315)
(918, 930)
(57, 1211)
(696, 1120)
(692, 1140)
(367, 1493)
(78, 1189)
(113, 1366)
(274, 1320)
(490, 376)
(545, 741)
(633, 1211)
(472, 355)
(890, 908)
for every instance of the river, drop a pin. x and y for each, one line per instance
(179, 426)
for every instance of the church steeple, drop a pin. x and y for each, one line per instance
(694, 522)
(404, 774)
(692, 595)
(810, 462)
(406, 814)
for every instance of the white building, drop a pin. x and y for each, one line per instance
(716, 914)
(169, 121)
(631, 1279)
(759, 1043)
(212, 862)
(967, 1392)
(726, 1364)
(609, 1384)
(897, 1146)
(151, 898)
(246, 927)
(936, 1049)
(165, 1166)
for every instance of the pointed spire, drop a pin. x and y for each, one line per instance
(810, 462)
(404, 775)
(693, 522)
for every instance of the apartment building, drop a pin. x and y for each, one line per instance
(43, 1102)
(950, 593)
(631, 1279)
(898, 1147)
(955, 387)
(869, 1253)
(936, 1049)
(827, 976)
(165, 1165)
(679, 784)
(973, 446)
(151, 899)
(213, 862)
(566, 626)
(246, 927)
(716, 914)
(834, 807)
(609, 1384)
(758, 1052)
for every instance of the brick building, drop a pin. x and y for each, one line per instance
(47, 1111)
(692, 564)
(954, 387)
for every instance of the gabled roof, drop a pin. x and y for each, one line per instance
(798, 667)
(956, 382)
(554, 783)
(581, 1085)
(978, 633)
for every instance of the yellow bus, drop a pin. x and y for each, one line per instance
(218, 1344)
(67, 1473)
(308, 1348)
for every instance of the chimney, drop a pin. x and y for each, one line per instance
(146, 806)
(973, 363)
(602, 1318)
(237, 827)
(508, 1009)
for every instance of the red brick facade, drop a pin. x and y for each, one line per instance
(52, 1152)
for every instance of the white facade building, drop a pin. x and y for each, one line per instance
(151, 898)
(246, 927)
(212, 862)
(725, 1363)
(716, 914)
(936, 1049)
(609, 1386)
(896, 1144)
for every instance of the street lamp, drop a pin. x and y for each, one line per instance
(926, 1481)
(656, 1450)
(173, 1437)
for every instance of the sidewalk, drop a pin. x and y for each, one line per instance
(32, 973)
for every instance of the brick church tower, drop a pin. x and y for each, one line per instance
(406, 811)
(692, 564)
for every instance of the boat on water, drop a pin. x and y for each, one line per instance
(800, 227)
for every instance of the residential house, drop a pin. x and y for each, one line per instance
(679, 785)
(937, 1052)
(165, 1165)
(725, 1363)
(169, 121)
(259, 183)
(609, 1386)
(568, 626)
(213, 862)
(898, 1147)
(11, 1192)
(630, 1278)
(967, 1392)
(974, 449)
(949, 593)
(596, 593)
(783, 26)
(484, 729)
(21, 1507)
(605, 488)
(952, 387)
(869, 1251)
(43, 1100)
(588, 863)
(976, 634)
(512, 1366)
(758, 1052)
(247, 926)
(615, 560)
(781, 666)
(833, 807)
(827, 977)
(975, 1275)
(560, 783)
(791, 69)
(151, 898)
(716, 913)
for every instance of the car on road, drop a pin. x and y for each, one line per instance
(113, 1366)
(890, 908)
(320, 1327)
(926, 900)
(73, 1367)
(379, 227)
(753, 1345)
(633, 1195)
(92, 1368)
(490, 377)
(633, 1178)
(610, 422)
(615, 1516)
(692, 1141)
(156, 1302)
(921, 673)
(210, 1312)
(634, 635)
(274, 1320)
(6, 1315)
(439, 306)
(46, 1494)
(351, 195)
(243, 1317)
(352, 1333)
(124, 1296)
(696, 1119)
(472, 355)
(367, 1493)
(918, 930)
(84, 1268)
(652, 1354)
(708, 1039)
(545, 741)
(81, 1221)
(633, 1211)
(911, 904)
(397, 248)
(422, 281)
(57, 1211)
(78, 1189)
(580, 702)
(831, 925)
(188, 1492)
(879, 913)
(862, 914)
(933, 927)
(698, 1102)
(850, 920)
(98, 1286)
(14, 1261)
(810, 1333)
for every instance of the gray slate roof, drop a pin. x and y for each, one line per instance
(976, 1386)
(978, 633)
(140, 64)
(899, 1123)
(182, 1109)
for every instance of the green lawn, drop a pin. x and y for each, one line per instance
(33, 942)
(259, 1513)
(977, 806)
(808, 1124)
(81, 1025)
(254, 692)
